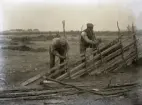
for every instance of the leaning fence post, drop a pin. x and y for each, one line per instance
(83, 57)
(120, 41)
(100, 54)
(135, 41)
(98, 49)
(128, 28)
(67, 70)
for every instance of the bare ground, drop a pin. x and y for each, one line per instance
(17, 66)
(130, 75)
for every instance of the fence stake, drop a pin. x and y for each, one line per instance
(135, 40)
(120, 41)
(97, 47)
(63, 22)
(128, 28)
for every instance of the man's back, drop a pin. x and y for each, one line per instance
(59, 44)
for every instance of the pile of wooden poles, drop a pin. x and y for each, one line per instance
(67, 89)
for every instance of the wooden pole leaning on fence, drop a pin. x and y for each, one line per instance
(83, 55)
(128, 28)
(63, 22)
(135, 40)
(84, 60)
(103, 50)
(120, 41)
(66, 66)
(98, 50)
(41, 75)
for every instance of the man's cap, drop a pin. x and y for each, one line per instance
(63, 41)
(90, 25)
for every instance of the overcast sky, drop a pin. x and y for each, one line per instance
(48, 14)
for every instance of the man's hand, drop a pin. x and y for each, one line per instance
(58, 55)
(98, 41)
(62, 57)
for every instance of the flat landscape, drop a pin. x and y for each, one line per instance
(27, 55)
(23, 56)
(23, 59)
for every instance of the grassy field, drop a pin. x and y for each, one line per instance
(18, 65)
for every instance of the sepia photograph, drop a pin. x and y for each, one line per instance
(70, 52)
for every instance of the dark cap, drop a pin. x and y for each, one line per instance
(90, 25)
(63, 41)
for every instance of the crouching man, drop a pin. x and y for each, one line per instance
(58, 48)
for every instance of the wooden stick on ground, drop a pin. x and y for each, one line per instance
(93, 91)
(73, 86)
(42, 97)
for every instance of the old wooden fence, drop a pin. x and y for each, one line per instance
(111, 57)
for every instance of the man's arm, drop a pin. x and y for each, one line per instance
(85, 37)
(57, 54)
(96, 39)
(53, 50)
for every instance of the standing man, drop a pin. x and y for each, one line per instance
(59, 48)
(87, 39)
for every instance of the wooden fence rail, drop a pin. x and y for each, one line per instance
(110, 57)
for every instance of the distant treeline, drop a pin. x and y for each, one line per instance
(54, 33)
(29, 33)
